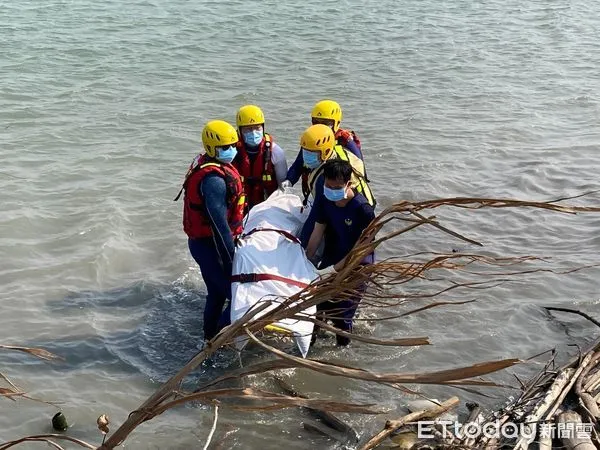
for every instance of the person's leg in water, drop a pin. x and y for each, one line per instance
(218, 286)
(321, 315)
(340, 313)
(343, 315)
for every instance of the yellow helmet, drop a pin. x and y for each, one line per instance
(318, 138)
(250, 115)
(218, 133)
(329, 110)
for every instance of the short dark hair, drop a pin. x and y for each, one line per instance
(337, 169)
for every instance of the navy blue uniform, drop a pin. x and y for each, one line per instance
(344, 226)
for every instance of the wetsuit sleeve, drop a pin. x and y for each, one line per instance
(279, 163)
(353, 148)
(214, 191)
(295, 170)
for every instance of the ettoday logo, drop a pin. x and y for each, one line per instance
(428, 429)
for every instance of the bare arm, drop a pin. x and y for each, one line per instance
(315, 239)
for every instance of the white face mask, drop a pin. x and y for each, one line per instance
(334, 195)
(227, 155)
(253, 138)
(312, 160)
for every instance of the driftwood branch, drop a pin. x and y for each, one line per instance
(38, 352)
(442, 377)
(545, 398)
(45, 438)
(574, 311)
(393, 425)
(550, 398)
(586, 360)
(386, 291)
(275, 401)
(572, 441)
(214, 427)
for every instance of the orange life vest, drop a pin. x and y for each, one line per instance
(196, 224)
(343, 136)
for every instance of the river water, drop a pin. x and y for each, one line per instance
(102, 108)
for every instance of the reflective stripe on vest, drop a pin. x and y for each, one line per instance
(358, 181)
(264, 177)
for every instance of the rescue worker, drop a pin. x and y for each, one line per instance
(341, 215)
(260, 161)
(318, 145)
(327, 112)
(213, 210)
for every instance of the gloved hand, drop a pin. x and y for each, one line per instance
(286, 184)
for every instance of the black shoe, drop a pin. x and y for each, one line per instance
(313, 338)
(342, 341)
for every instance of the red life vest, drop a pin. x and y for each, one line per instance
(343, 136)
(195, 221)
(258, 175)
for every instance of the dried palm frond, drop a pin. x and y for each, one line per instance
(48, 439)
(39, 352)
(392, 283)
(384, 279)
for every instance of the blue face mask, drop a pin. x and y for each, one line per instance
(334, 195)
(253, 138)
(227, 155)
(312, 160)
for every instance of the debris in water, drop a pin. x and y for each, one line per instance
(59, 422)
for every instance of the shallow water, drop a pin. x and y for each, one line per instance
(102, 107)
